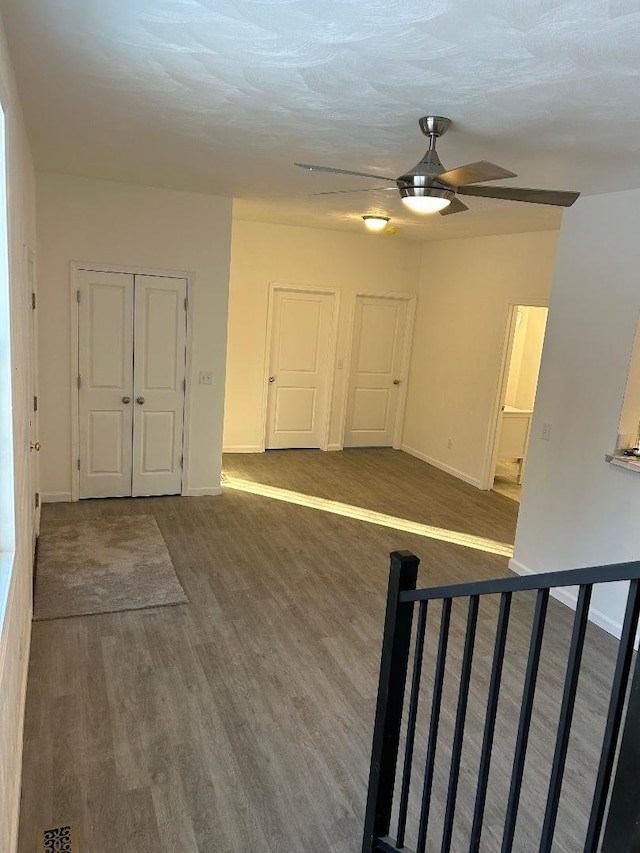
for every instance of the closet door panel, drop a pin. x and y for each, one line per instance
(105, 346)
(159, 373)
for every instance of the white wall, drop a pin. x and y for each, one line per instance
(263, 253)
(576, 509)
(15, 618)
(93, 221)
(463, 309)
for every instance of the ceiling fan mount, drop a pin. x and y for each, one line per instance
(429, 187)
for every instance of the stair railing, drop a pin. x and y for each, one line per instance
(621, 834)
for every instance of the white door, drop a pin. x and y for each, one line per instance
(159, 372)
(299, 371)
(105, 346)
(34, 431)
(130, 419)
(376, 361)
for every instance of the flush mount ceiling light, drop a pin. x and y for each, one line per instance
(376, 223)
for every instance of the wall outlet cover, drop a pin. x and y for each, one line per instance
(205, 377)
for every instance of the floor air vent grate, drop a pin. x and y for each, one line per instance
(59, 839)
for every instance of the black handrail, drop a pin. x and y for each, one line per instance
(621, 833)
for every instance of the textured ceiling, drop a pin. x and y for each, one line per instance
(222, 97)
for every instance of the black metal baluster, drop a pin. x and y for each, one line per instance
(614, 717)
(403, 574)
(461, 715)
(436, 702)
(490, 720)
(566, 716)
(533, 662)
(411, 723)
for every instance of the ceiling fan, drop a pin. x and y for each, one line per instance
(428, 187)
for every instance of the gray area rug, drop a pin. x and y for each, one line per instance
(102, 565)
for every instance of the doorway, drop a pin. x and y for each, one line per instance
(131, 383)
(379, 355)
(523, 350)
(301, 353)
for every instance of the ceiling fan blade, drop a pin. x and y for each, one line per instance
(367, 190)
(561, 198)
(474, 173)
(313, 168)
(456, 206)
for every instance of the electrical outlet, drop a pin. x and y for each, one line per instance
(546, 432)
(449, 443)
(205, 377)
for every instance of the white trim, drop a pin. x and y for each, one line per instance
(405, 359)
(243, 448)
(331, 346)
(567, 596)
(75, 268)
(493, 438)
(455, 472)
(335, 446)
(55, 497)
(206, 490)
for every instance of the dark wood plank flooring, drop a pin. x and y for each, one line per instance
(242, 721)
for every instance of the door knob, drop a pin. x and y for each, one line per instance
(35, 445)
(126, 399)
(396, 381)
(139, 400)
(272, 379)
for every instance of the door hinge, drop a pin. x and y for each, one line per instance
(184, 384)
(186, 304)
(79, 383)
(78, 464)
(33, 299)
(182, 461)
(37, 499)
(35, 403)
(77, 296)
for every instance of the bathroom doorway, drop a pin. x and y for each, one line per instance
(523, 353)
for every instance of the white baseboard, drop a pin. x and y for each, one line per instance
(55, 497)
(568, 596)
(199, 493)
(243, 448)
(461, 475)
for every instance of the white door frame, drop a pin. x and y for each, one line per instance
(76, 267)
(410, 299)
(493, 434)
(332, 348)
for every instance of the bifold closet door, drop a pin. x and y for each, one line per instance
(105, 380)
(131, 336)
(159, 373)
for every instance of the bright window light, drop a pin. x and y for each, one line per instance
(478, 543)
(7, 509)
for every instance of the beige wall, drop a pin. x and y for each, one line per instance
(262, 254)
(15, 605)
(465, 289)
(577, 510)
(131, 226)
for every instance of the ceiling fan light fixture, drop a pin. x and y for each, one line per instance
(375, 223)
(426, 199)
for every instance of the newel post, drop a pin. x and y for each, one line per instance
(403, 575)
(622, 830)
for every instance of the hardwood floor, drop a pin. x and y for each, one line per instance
(242, 721)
